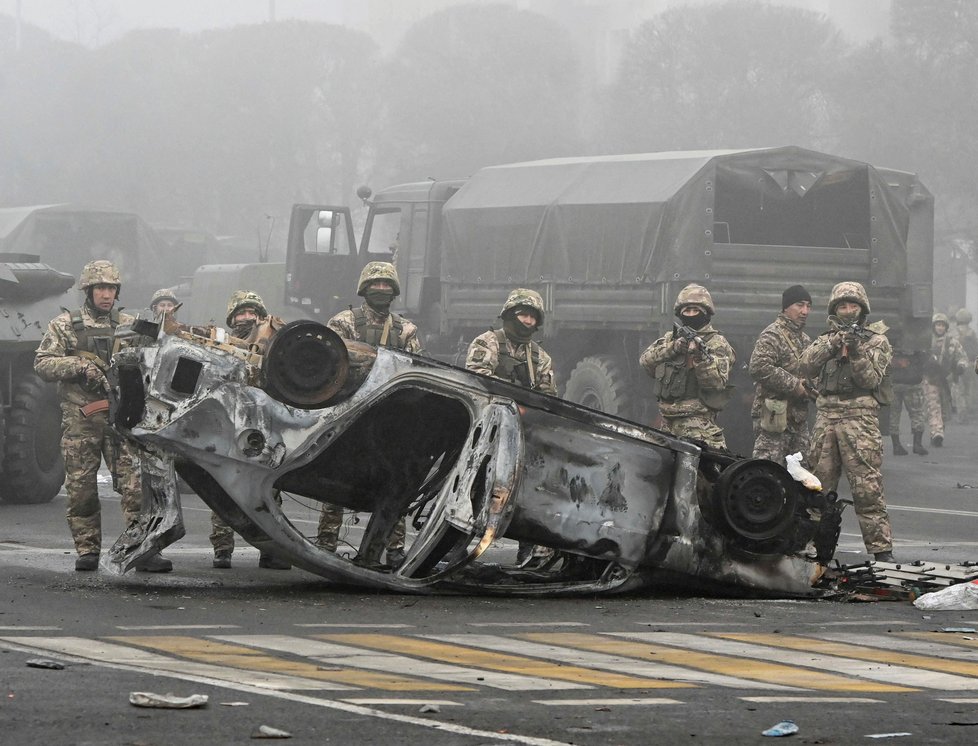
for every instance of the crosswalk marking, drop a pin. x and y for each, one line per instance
(236, 656)
(908, 668)
(99, 651)
(597, 651)
(607, 702)
(909, 643)
(495, 661)
(697, 652)
(821, 700)
(945, 638)
(353, 657)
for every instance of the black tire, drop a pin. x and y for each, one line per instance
(33, 468)
(601, 382)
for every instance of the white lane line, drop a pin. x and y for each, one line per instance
(698, 624)
(527, 624)
(408, 702)
(959, 700)
(885, 672)
(868, 623)
(351, 656)
(355, 626)
(176, 626)
(15, 628)
(823, 700)
(247, 688)
(936, 511)
(903, 644)
(97, 651)
(606, 702)
(603, 661)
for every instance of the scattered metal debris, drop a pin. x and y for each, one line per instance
(45, 663)
(903, 581)
(167, 701)
(267, 731)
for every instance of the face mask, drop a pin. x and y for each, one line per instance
(243, 329)
(380, 300)
(850, 318)
(516, 330)
(694, 322)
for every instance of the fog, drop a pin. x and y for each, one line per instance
(218, 116)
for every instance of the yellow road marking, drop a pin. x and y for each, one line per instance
(495, 661)
(945, 638)
(847, 650)
(237, 656)
(744, 668)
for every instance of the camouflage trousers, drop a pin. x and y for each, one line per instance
(331, 519)
(84, 443)
(696, 427)
(910, 396)
(936, 408)
(222, 535)
(853, 443)
(965, 391)
(775, 446)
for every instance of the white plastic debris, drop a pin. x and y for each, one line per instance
(958, 597)
(430, 708)
(800, 474)
(267, 731)
(784, 728)
(167, 701)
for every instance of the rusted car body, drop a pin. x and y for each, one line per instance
(472, 462)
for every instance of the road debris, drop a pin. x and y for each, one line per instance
(429, 708)
(167, 701)
(45, 663)
(887, 735)
(960, 597)
(267, 731)
(784, 728)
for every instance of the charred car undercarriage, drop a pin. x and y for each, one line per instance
(472, 463)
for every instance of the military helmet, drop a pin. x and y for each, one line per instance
(99, 272)
(695, 295)
(245, 299)
(963, 316)
(525, 298)
(378, 271)
(162, 294)
(850, 291)
(941, 318)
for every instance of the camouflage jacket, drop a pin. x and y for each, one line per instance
(711, 375)
(483, 357)
(949, 357)
(969, 341)
(774, 367)
(56, 358)
(344, 324)
(868, 363)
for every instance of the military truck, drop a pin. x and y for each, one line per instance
(609, 242)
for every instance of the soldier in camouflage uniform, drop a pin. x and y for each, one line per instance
(163, 301)
(947, 359)
(247, 318)
(781, 395)
(75, 351)
(906, 373)
(374, 323)
(511, 354)
(967, 394)
(691, 382)
(849, 371)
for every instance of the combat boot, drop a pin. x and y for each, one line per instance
(222, 559)
(87, 562)
(918, 444)
(937, 441)
(898, 449)
(271, 562)
(154, 563)
(884, 557)
(395, 558)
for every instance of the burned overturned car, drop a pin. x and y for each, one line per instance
(474, 464)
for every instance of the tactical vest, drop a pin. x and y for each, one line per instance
(371, 333)
(676, 381)
(836, 379)
(517, 371)
(96, 340)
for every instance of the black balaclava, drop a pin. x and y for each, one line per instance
(244, 328)
(696, 322)
(379, 300)
(517, 332)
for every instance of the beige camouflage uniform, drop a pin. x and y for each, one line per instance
(847, 434)
(85, 441)
(391, 330)
(774, 368)
(948, 358)
(965, 389)
(686, 382)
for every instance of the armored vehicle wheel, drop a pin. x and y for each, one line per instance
(601, 382)
(33, 469)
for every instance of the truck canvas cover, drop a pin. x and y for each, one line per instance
(655, 218)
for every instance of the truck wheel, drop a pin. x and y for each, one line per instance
(33, 468)
(600, 382)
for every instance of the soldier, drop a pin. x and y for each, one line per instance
(75, 351)
(692, 377)
(947, 358)
(967, 394)
(511, 354)
(248, 319)
(849, 367)
(906, 372)
(781, 395)
(163, 301)
(374, 323)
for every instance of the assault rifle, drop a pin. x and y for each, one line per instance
(854, 329)
(690, 335)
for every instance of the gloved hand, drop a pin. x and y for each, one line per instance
(680, 347)
(94, 377)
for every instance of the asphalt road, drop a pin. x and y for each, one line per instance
(329, 665)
